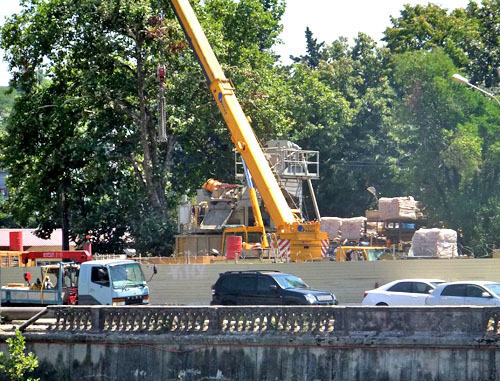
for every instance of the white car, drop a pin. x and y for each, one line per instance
(470, 293)
(404, 292)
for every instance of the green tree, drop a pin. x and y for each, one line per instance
(7, 97)
(469, 36)
(448, 137)
(15, 366)
(341, 109)
(314, 51)
(483, 53)
(82, 147)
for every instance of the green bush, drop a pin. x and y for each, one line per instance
(14, 366)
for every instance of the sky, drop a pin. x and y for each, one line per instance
(327, 19)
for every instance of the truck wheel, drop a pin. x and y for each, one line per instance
(382, 304)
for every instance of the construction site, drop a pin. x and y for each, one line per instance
(261, 214)
(221, 223)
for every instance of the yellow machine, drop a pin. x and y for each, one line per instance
(249, 234)
(306, 241)
(362, 253)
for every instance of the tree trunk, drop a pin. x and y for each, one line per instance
(147, 164)
(64, 222)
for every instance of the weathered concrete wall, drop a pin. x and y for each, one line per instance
(269, 343)
(190, 284)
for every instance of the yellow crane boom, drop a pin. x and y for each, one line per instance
(306, 240)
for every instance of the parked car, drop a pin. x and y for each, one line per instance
(404, 292)
(266, 287)
(475, 293)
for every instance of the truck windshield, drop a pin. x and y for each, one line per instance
(127, 275)
(287, 281)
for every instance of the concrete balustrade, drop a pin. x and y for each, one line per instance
(201, 320)
(298, 320)
(335, 321)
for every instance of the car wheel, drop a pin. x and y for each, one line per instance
(382, 304)
(228, 303)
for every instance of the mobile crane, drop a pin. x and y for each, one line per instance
(306, 240)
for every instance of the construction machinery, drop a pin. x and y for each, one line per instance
(362, 253)
(303, 239)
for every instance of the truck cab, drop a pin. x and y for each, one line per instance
(112, 282)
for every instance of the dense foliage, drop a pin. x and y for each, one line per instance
(18, 364)
(82, 146)
(7, 97)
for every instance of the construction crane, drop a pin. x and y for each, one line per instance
(304, 239)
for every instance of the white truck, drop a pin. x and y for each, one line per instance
(115, 282)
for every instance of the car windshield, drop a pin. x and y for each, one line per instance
(127, 275)
(494, 287)
(288, 281)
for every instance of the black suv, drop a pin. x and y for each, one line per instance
(266, 287)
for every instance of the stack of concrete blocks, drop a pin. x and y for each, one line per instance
(332, 226)
(353, 228)
(397, 208)
(434, 243)
(340, 229)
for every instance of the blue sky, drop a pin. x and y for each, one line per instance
(328, 20)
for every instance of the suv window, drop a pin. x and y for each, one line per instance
(454, 290)
(248, 283)
(401, 287)
(238, 282)
(264, 283)
(228, 282)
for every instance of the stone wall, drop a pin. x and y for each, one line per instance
(269, 343)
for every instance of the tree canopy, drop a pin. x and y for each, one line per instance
(82, 145)
(82, 141)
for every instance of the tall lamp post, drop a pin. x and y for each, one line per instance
(459, 79)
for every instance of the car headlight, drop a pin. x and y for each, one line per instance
(311, 299)
(119, 302)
